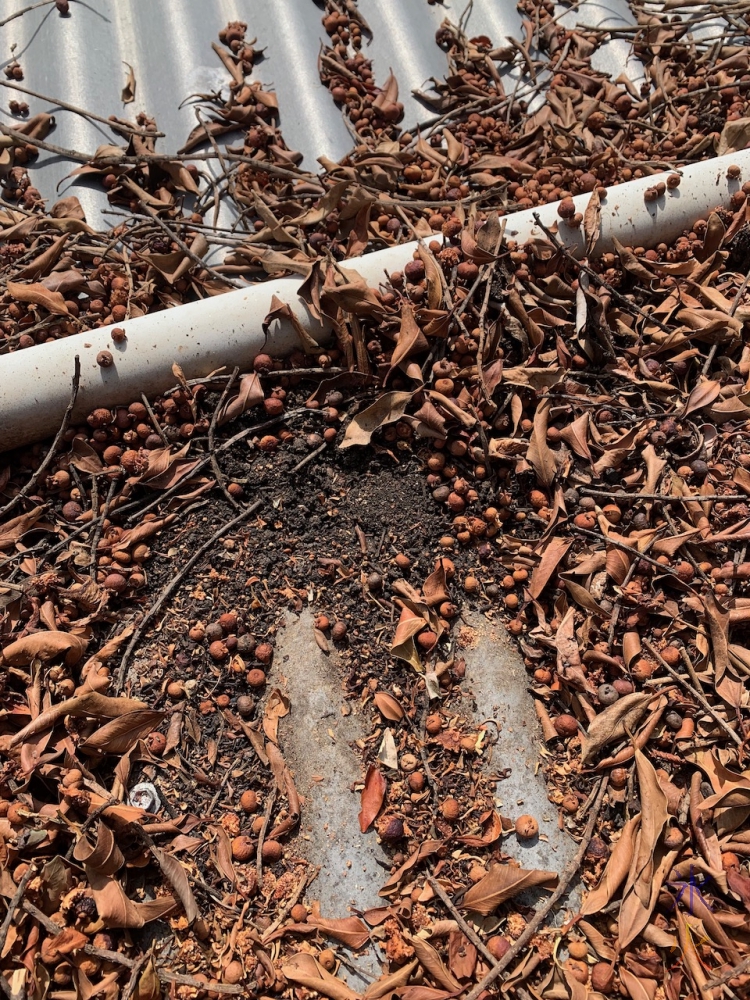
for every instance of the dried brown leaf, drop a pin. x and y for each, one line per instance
(616, 722)
(385, 410)
(38, 295)
(116, 910)
(554, 552)
(703, 394)
(121, 734)
(539, 454)
(44, 646)
(388, 706)
(371, 799)
(644, 884)
(128, 91)
(349, 930)
(501, 883)
(175, 875)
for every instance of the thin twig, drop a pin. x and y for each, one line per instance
(118, 958)
(737, 970)
(25, 10)
(731, 498)
(99, 524)
(263, 830)
(53, 447)
(14, 904)
(625, 548)
(173, 584)
(542, 913)
(134, 974)
(468, 931)
(186, 249)
(116, 126)
(310, 457)
(152, 416)
(700, 698)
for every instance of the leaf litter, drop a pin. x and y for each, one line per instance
(582, 428)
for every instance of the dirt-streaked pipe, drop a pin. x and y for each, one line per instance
(226, 330)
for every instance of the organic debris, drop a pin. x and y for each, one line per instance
(561, 445)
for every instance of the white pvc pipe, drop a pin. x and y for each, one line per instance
(225, 330)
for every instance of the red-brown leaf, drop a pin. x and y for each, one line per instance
(372, 797)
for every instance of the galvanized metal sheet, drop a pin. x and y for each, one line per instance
(81, 59)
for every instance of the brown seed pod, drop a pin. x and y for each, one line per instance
(426, 640)
(566, 209)
(104, 359)
(433, 724)
(228, 622)
(673, 838)
(602, 978)
(526, 827)
(243, 849)
(642, 669)
(498, 946)
(233, 973)
(256, 678)
(218, 651)
(249, 801)
(118, 335)
(298, 913)
(115, 582)
(262, 363)
(451, 810)
(264, 652)
(390, 828)
(578, 949)
(272, 851)
(416, 781)
(566, 726)
(176, 690)
(245, 705)
(156, 743)
(327, 959)
(619, 777)
(338, 632)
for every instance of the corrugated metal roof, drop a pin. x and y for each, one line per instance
(81, 59)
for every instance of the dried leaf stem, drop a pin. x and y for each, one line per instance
(699, 697)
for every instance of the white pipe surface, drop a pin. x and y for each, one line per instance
(225, 330)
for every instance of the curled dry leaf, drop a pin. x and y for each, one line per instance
(372, 797)
(303, 969)
(44, 646)
(618, 721)
(385, 410)
(116, 910)
(103, 857)
(128, 91)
